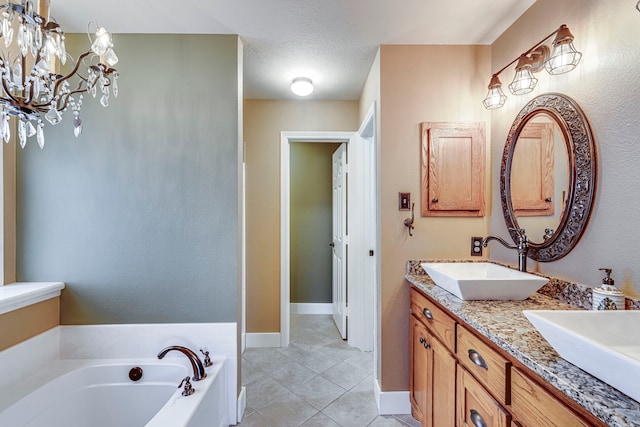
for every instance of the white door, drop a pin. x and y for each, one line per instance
(339, 240)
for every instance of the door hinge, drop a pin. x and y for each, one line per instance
(346, 168)
(346, 240)
(346, 311)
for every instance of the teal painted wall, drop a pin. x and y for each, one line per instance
(311, 221)
(139, 216)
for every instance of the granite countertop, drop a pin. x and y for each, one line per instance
(503, 323)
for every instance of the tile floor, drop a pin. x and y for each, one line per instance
(317, 381)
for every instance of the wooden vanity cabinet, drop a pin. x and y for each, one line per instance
(432, 380)
(459, 378)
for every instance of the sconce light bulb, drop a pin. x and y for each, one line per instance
(495, 97)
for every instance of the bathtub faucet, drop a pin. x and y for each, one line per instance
(196, 363)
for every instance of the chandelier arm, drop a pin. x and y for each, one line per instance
(72, 73)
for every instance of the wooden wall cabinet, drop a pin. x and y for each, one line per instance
(453, 169)
(459, 378)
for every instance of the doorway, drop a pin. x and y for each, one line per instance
(363, 259)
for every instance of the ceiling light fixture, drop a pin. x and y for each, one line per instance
(302, 86)
(30, 87)
(561, 58)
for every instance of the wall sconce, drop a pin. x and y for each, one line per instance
(561, 58)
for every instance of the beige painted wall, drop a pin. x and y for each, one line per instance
(20, 325)
(605, 85)
(263, 122)
(419, 83)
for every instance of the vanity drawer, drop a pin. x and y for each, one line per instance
(534, 406)
(440, 323)
(476, 407)
(485, 363)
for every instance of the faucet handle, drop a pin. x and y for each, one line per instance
(188, 388)
(207, 359)
(522, 235)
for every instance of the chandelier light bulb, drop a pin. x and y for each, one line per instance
(302, 86)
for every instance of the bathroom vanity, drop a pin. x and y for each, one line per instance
(481, 363)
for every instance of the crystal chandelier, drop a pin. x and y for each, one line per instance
(31, 46)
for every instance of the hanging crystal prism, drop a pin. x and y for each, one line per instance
(5, 129)
(31, 130)
(115, 85)
(77, 126)
(61, 49)
(104, 100)
(22, 40)
(53, 116)
(40, 134)
(22, 133)
(7, 29)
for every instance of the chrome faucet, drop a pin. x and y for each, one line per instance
(522, 247)
(196, 363)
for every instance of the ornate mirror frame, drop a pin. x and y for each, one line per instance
(583, 167)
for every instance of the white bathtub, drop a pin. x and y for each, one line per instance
(79, 376)
(99, 393)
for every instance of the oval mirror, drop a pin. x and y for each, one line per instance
(548, 175)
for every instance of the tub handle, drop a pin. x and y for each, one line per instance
(207, 359)
(188, 388)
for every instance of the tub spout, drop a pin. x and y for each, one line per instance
(198, 368)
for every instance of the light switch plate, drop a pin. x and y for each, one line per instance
(404, 201)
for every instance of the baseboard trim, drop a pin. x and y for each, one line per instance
(242, 403)
(392, 402)
(311, 308)
(267, 339)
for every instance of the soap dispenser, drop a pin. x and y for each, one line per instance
(607, 296)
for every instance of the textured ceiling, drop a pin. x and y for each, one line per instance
(333, 42)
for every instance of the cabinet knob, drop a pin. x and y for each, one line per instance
(434, 200)
(548, 200)
(476, 419)
(422, 340)
(427, 345)
(477, 359)
(427, 313)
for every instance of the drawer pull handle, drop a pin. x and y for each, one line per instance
(475, 357)
(427, 313)
(424, 342)
(476, 419)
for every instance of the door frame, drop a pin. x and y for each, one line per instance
(286, 138)
(369, 315)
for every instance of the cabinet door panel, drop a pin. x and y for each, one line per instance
(420, 364)
(453, 169)
(444, 386)
(476, 407)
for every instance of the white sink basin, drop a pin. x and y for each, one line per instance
(483, 280)
(606, 344)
